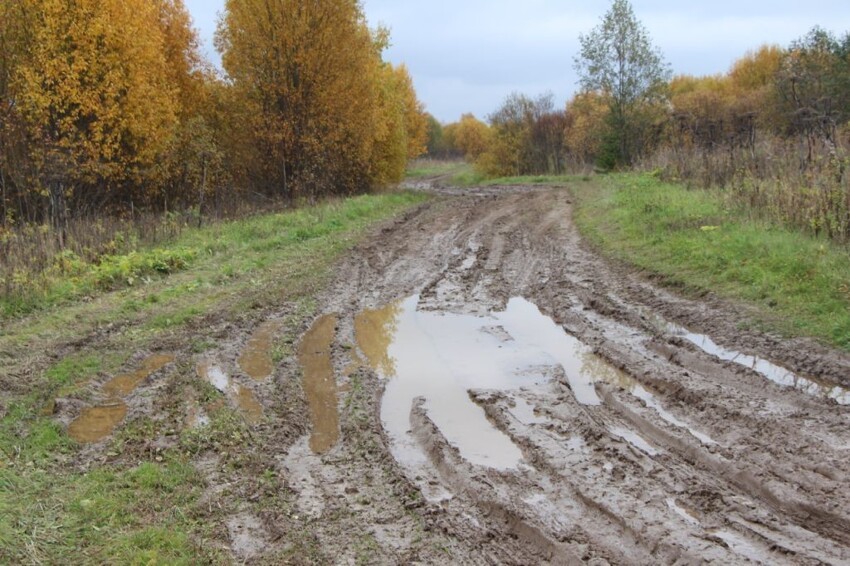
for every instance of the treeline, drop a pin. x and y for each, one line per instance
(775, 129)
(108, 106)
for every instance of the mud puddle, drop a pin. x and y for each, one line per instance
(441, 357)
(123, 385)
(256, 360)
(314, 355)
(239, 396)
(771, 371)
(96, 423)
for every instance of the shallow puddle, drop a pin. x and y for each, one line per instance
(635, 440)
(771, 371)
(314, 354)
(525, 413)
(256, 359)
(248, 404)
(96, 423)
(123, 385)
(241, 397)
(441, 357)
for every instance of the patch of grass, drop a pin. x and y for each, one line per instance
(74, 369)
(256, 239)
(696, 240)
(104, 516)
(468, 176)
(530, 180)
(429, 168)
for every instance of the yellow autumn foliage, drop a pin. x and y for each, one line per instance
(92, 85)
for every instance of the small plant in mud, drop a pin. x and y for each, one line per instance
(227, 432)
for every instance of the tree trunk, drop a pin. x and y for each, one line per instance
(5, 216)
(203, 192)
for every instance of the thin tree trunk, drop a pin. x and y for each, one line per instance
(3, 187)
(203, 192)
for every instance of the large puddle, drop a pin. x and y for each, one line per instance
(441, 357)
(256, 359)
(771, 371)
(314, 354)
(96, 423)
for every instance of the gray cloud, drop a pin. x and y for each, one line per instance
(466, 56)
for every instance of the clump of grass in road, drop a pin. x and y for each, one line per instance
(695, 240)
(138, 509)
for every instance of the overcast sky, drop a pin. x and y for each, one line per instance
(467, 55)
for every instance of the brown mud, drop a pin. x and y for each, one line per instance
(635, 445)
(479, 387)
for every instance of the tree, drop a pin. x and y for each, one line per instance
(619, 60)
(435, 144)
(813, 82)
(93, 91)
(526, 137)
(586, 126)
(471, 136)
(319, 103)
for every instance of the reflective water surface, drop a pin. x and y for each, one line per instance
(771, 371)
(319, 382)
(256, 359)
(442, 356)
(96, 423)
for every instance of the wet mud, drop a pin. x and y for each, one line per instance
(96, 423)
(479, 387)
(550, 408)
(256, 359)
(123, 385)
(240, 397)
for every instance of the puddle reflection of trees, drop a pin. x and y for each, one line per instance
(375, 331)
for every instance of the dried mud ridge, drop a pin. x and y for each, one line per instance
(648, 446)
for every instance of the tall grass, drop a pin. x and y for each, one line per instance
(803, 183)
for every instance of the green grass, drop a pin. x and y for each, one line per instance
(529, 180)
(256, 238)
(694, 240)
(462, 174)
(139, 507)
(133, 516)
(429, 168)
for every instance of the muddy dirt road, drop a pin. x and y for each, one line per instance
(532, 404)
(481, 388)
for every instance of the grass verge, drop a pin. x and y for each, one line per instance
(133, 502)
(694, 239)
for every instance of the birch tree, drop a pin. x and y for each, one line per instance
(619, 60)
